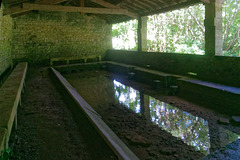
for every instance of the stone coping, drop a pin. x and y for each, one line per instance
(221, 87)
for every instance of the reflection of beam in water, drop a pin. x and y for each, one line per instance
(145, 110)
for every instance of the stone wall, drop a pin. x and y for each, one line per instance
(218, 69)
(40, 36)
(5, 41)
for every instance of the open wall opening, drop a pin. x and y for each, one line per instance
(231, 27)
(124, 35)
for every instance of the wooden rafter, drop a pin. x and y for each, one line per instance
(105, 4)
(49, 1)
(174, 7)
(109, 5)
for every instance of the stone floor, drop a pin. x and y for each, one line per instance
(46, 129)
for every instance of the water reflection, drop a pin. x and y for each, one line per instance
(127, 96)
(191, 129)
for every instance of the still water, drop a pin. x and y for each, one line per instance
(191, 129)
(99, 90)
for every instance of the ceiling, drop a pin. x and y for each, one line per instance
(113, 11)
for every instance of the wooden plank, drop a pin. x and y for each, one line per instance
(31, 6)
(120, 149)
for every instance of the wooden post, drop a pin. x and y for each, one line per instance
(144, 33)
(82, 5)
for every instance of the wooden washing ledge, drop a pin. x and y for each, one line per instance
(113, 141)
(10, 98)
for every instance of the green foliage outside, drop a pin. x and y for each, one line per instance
(179, 31)
(125, 35)
(231, 28)
(6, 154)
(182, 31)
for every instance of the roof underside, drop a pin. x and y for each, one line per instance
(135, 7)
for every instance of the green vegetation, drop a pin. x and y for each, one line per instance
(6, 154)
(231, 28)
(181, 31)
(125, 35)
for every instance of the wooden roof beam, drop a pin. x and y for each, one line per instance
(206, 1)
(19, 11)
(32, 6)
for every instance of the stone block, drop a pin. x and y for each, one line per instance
(236, 119)
(223, 120)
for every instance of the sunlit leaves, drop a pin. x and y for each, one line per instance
(124, 35)
(179, 31)
(231, 27)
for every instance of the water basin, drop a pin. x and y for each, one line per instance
(103, 92)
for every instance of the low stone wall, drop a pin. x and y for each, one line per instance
(218, 69)
(40, 36)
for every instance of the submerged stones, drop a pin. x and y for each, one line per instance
(236, 119)
(223, 120)
(138, 140)
(157, 83)
(131, 75)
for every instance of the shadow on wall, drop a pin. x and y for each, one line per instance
(218, 69)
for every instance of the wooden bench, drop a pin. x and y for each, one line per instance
(68, 59)
(10, 98)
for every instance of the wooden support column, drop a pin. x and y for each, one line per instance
(139, 35)
(82, 5)
(213, 28)
(144, 33)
